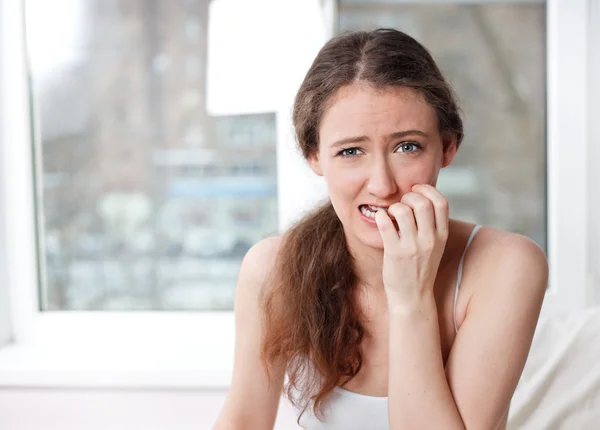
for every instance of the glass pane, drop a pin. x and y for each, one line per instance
(494, 56)
(151, 193)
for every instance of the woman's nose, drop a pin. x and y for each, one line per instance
(381, 181)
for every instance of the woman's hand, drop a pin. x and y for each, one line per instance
(412, 255)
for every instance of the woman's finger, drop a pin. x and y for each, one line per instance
(423, 211)
(386, 228)
(440, 206)
(405, 219)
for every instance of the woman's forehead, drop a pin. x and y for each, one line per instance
(361, 109)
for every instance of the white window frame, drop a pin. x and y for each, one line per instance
(5, 316)
(568, 37)
(594, 153)
(195, 349)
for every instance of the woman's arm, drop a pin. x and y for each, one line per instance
(252, 401)
(490, 350)
(418, 394)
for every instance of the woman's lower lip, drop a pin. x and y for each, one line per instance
(372, 222)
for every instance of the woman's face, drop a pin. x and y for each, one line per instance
(374, 145)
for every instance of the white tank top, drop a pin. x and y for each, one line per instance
(345, 410)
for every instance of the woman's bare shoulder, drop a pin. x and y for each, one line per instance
(490, 242)
(259, 261)
(496, 253)
(493, 243)
(254, 280)
(265, 250)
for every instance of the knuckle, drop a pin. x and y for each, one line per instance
(417, 201)
(422, 204)
(412, 251)
(404, 211)
(442, 204)
(410, 196)
(399, 209)
(429, 243)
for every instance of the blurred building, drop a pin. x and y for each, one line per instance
(130, 119)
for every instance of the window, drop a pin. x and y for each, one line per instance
(170, 348)
(121, 230)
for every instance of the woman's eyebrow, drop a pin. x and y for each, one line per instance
(396, 135)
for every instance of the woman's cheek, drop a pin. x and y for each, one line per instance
(421, 174)
(350, 182)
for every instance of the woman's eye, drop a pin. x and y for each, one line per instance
(348, 152)
(409, 147)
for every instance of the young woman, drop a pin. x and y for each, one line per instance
(382, 311)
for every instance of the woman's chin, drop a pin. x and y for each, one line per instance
(367, 235)
(373, 241)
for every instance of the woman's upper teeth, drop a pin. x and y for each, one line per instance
(376, 208)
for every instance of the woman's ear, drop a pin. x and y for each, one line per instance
(315, 165)
(450, 145)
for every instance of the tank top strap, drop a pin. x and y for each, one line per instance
(460, 271)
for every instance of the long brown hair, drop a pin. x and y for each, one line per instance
(311, 314)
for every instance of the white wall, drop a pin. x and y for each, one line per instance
(76, 409)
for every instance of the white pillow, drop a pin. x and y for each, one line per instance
(560, 385)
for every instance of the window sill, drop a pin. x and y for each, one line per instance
(122, 350)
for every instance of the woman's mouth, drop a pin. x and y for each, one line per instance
(368, 214)
(370, 211)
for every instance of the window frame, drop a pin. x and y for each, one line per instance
(568, 38)
(195, 349)
(5, 315)
(594, 155)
